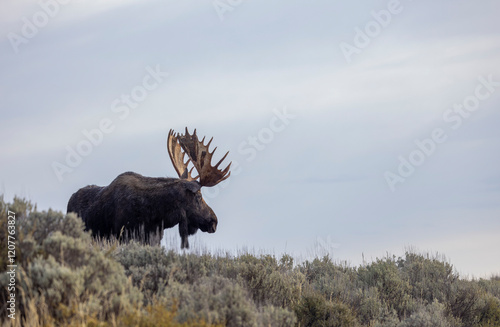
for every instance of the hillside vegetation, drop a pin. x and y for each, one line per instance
(66, 278)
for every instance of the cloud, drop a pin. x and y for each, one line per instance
(323, 174)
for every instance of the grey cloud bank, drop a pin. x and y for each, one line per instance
(312, 173)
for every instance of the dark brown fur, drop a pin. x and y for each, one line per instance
(135, 202)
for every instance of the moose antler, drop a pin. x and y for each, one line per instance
(177, 157)
(199, 155)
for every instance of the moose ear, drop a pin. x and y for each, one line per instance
(192, 186)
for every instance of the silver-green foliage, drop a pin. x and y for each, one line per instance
(59, 272)
(432, 315)
(64, 273)
(236, 291)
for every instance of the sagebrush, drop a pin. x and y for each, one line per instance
(67, 278)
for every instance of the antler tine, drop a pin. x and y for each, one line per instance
(201, 157)
(208, 144)
(194, 178)
(177, 156)
(226, 170)
(220, 161)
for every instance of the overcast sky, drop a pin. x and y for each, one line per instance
(355, 129)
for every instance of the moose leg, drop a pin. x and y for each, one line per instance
(183, 231)
(184, 242)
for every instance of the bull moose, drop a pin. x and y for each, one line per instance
(133, 202)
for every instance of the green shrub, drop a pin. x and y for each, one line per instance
(270, 282)
(430, 278)
(488, 311)
(150, 268)
(432, 315)
(369, 308)
(395, 292)
(332, 280)
(462, 302)
(158, 314)
(387, 318)
(491, 286)
(315, 311)
(216, 299)
(276, 317)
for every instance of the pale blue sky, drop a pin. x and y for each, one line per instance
(313, 183)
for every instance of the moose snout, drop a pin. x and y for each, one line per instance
(212, 228)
